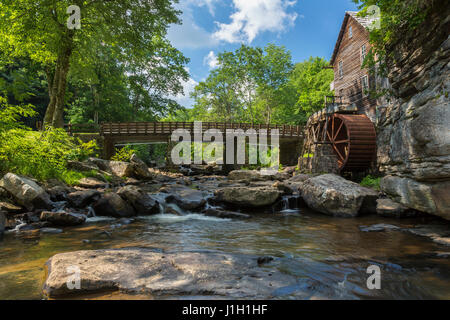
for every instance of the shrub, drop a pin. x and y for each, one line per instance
(123, 154)
(371, 182)
(42, 155)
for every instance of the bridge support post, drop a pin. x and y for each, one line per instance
(290, 151)
(108, 148)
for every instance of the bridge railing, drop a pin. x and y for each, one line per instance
(72, 128)
(166, 128)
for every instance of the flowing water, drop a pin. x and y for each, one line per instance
(328, 255)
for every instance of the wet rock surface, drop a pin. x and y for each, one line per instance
(391, 209)
(186, 198)
(333, 195)
(430, 197)
(82, 198)
(63, 218)
(136, 270)
(247, 196)
(438, 233)
(214, 212)
(142, 202)
(111, 204)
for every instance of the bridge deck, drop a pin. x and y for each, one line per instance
(166, 128)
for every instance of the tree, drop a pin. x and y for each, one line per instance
(246, 85)
(311, 80)
(134, 30)
(276, 66)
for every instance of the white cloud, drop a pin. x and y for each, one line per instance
(211, 60)
(189, 34)
(210, 4)
(253, 17)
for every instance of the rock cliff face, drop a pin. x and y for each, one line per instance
(414, 128)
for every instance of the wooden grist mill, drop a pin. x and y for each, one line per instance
(338, 140)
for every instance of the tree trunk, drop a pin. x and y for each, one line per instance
(57, 89)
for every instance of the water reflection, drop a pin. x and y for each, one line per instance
(329, 256)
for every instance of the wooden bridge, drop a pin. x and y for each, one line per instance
(290, 136)
(166, 128)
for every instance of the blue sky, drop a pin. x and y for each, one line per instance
(305, 27)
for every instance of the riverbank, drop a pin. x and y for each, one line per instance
(245, 215)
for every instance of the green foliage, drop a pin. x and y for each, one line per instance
(371, 182)
(119, 63)
(123, 154)
(311, 79)
(10, 115)
(397, 18)
(246, 87)
(72, 177)
(145, 152)
(24, 83)
(42, 155)
(256, 85)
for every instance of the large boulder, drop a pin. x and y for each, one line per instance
(82, 166)
(336, 196)
(214, 212)
(144, 271)
(63, 218)
(3, 194)
(112, 205)
(82, 198)
(413, 135)
(102, 164)
(141, 170)
(248, 196)
(121, 168)
(10, 208)
(431, 197)
(254, 175)
(391, 209)
(142, 202)
(91, 183)
(249, 175)
(185, 198)
(58, 193)
(26, 192)
(301, 177)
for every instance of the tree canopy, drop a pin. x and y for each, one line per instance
(124, 39)
(260, 85)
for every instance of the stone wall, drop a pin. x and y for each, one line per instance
(414, 128)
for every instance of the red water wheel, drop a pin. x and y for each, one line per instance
(353, 139)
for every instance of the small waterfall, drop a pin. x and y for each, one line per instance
(91, 212)
(289, 204)
(20, 224)
(167, 208)
(59, 206)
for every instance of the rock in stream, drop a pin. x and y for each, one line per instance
(144, 271)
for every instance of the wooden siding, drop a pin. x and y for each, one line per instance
(350, 84)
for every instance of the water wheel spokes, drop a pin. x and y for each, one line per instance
(339, 140)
